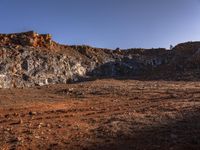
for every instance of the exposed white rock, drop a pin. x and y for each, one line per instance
(4, 82)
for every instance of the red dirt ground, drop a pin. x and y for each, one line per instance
(103, 114)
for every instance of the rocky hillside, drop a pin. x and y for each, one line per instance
(29, 59)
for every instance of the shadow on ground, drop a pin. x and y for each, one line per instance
(183, 134)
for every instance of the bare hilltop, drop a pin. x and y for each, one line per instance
(29, 59)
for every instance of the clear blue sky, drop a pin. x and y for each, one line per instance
(106, 23)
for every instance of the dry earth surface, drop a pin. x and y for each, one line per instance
(102, 114)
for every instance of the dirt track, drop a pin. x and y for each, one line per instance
(102, 114)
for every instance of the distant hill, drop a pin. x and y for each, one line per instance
(30, 59)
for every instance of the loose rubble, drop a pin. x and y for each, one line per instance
(112, 115)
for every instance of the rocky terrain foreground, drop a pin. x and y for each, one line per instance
(55, 96)
(103, 114)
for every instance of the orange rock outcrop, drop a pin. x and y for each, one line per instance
(29, 38)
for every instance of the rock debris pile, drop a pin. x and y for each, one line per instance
(29, 59)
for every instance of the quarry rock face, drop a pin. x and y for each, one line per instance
(25, 67)
(26, 60)
(31, 59)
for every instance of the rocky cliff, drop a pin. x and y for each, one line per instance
(30, 38)
(30, 59)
